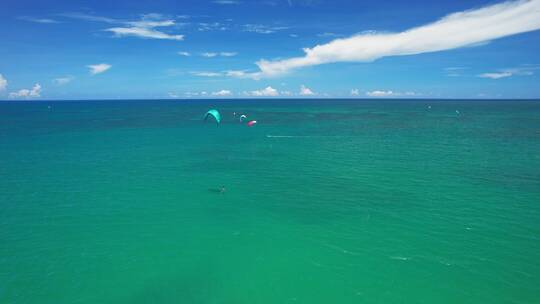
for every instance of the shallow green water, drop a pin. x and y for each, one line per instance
(326, 202)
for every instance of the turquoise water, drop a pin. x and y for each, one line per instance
(326, 202)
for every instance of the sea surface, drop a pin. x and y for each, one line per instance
(326, 201)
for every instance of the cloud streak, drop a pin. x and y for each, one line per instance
(209, 54)
(38, 20)
(98, 68)
(228, 54)
(63, 80)
(87, 17)
(467, 28)
(495, 75)
(215, 54)
(525, 70)
(207, 74)
(143, 32)
(382, 93)
(143, 28)
(262, 29)
(229, 73)
(213, 26)
(226, 2)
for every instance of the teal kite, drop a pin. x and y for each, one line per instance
(214, 113)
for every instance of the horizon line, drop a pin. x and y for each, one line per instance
(265, 99)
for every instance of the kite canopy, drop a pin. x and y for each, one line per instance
(251, 123)
(213, 113)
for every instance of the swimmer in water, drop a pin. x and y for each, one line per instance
(222, 189)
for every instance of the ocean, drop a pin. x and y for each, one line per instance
(326, 201)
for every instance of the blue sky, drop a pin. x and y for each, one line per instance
(269, 48)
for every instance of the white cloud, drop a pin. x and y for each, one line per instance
(26, 93)
(87, 17)
(268, 91)
(191, 94)
(389, 93)
(209, 54)
(36, 90)
(263, 29)
(230, 73)
(63, 80)
(207, 74)
(524, 70)
(495, 75)
(222, 93)
(213, 26)
(233, 73)
(150, 21)
(237, 74)
(3, 83)
(187, 54)
(197, 94)
(355, 92)
(37, 20)
(143, 28)
(456, 30)
(144, 32)
(226, 2)
(215, 54)
(380, 93)
(98, 68)
(305, 91)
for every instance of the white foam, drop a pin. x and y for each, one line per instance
(400, 258)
